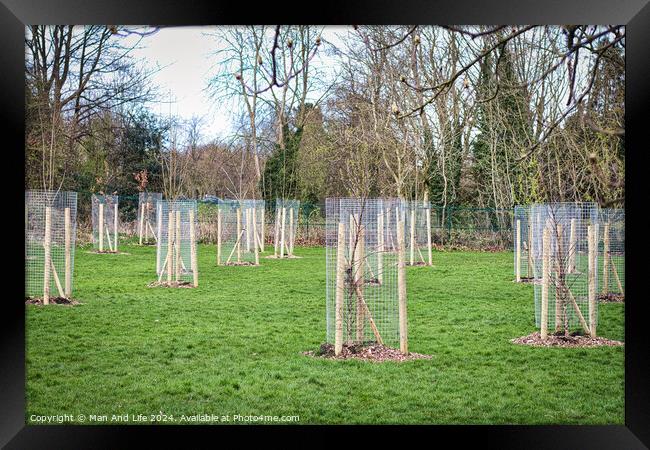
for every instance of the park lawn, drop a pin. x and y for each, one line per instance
(234, 346)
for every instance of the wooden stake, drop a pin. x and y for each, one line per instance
(57, 280)
(372, 272)
(239, 233)
(115, 227)
(340, 290)
(276, 235)
(282, 236)
(247, 226)
(606, 259)
(591, 239)
(529, 272)
(259, 236)
(68, 253)
(195, 267)
(428, 212)
(401, 289)
(255, 241)
(390, 235)
(177, 245)
(291, 234)
(47, 246)
(219, 237)
(380, 247)
(576, 308)
(149, 227)
(262, 231)
(141, 221)
(162, 271)
(158, 248)
(412, 238)
(260, 241)
(357, 276)
(237, 242)
(420, 255)
(518, 253)
(531, 250)
(559, 282)
(101, 227)
(170, 244)
(546, 256)
(108, 239)
(148, 222)
(367, 313)
(572, 247)
(615, 271)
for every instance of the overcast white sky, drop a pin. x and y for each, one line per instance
(186, 57)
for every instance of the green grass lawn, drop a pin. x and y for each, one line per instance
(233, 346)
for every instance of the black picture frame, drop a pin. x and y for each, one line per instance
(635, 14)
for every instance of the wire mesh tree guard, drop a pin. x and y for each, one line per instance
(612, 251)
(176, 251)
(366, 280)
(522, 237)
(147, 217)
(418, 232)
(286, 226)
(565, 259)
(50, 237)
(240, 232)
(105, 220)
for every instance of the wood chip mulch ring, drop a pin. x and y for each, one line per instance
(283, 257)
(611, 297)
(244, 263)
(525, 280)
(107, 252)
(62, 301)
(575, 340)
(365, 352)
(173, 284)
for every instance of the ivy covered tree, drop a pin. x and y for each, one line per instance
(280, 178)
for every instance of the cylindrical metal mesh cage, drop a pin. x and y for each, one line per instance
(568, 275)
(612, 252)
(50, 234)
(522, 236)
(147, 216)
(105, 221)
(368, 265)
(418, 232)
(241, 224)
(175, 247)
(286, 226)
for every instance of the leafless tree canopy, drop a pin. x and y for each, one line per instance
(487, 116)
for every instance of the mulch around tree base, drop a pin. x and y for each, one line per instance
(365, 352)
(611, 297)
(53, 301)
(525, 280)
(171, 284)
(244, 263)
(560, 340)
(107, 252)
(283, 257)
